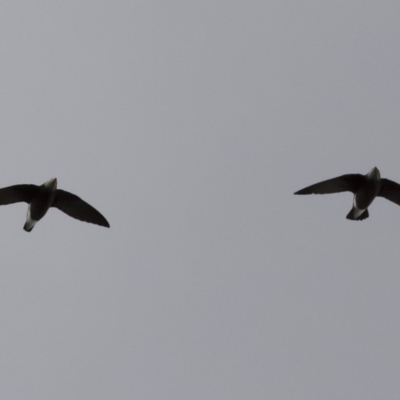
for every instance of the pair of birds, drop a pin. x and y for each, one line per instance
(41, 198)
(364, 187)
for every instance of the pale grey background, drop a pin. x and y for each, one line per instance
(189, 124)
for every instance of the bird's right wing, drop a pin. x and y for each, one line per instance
(390, 190)
(344, 183)
(17, 193)
(75, 207)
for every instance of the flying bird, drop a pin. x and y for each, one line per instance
(41, 198)
(364, 187)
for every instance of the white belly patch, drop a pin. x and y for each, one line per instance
(30, 223)
(357, 212)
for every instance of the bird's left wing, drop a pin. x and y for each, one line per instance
(344, 183)
(17, 193)
(390, 190)
(75, 207)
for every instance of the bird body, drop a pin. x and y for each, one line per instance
(41, 198)
(365, 194)
(364, 187)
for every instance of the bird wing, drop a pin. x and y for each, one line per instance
(75, 207)
(344, 183)
(390, 190)
(17, 193)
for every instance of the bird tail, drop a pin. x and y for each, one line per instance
(351, 215)
(28, 227)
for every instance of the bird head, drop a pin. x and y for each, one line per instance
(374, 174)
(51, 184)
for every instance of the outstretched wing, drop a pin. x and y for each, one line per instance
(75, 207)
(344, 183)
(390, 190)
(17, 193)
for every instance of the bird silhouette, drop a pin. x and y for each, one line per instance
(41, 198)
(364, 187)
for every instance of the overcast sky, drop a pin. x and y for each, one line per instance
(189, 125)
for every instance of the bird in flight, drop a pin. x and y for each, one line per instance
(364, 187)
(41, 198)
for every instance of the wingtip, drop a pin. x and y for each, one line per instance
(100, 221)
(103, 222)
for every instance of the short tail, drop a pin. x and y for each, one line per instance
(28, 227)
(351, 216)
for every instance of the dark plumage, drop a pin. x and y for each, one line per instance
(364, 187)
(41, 198)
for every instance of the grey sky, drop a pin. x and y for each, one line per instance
(189, 125)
